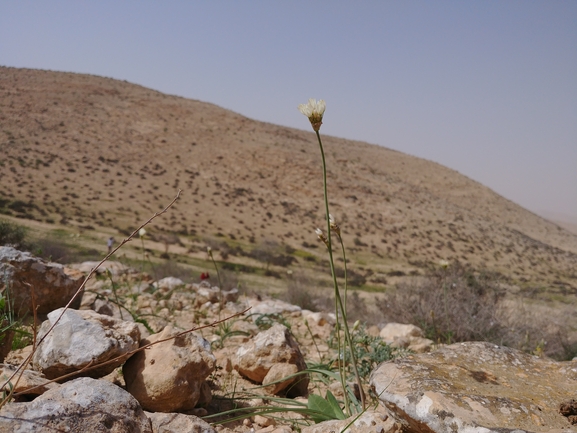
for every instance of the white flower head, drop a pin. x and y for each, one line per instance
(314, 110)
(141, 232)
(208, 250)
(334, 226)
(322, 236)
(444, 264)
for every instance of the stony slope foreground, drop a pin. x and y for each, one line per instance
(162, 363)
(95, 152)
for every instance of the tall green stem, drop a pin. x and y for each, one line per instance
(338, 300)
(221, 302)
(143, 253)
(346, 276)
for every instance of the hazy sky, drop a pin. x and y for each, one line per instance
(488, 88)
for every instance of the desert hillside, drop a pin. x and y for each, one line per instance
(93, 152)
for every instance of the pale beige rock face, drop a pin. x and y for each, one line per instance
(207, 294)
(270, 306)
(255, 358)
(276, 373)
(414, 344)
(477, 387)
(406, 336)
(81, 405)
(52, 284)
(370, 421)
(168, 283)
(83, 337)
(393, 331)
(30, 383)
(178, 423)
(169, 376)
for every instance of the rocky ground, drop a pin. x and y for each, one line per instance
(132, 366)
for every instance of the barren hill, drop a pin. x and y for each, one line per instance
(96, 152)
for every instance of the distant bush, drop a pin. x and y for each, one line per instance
(237, 267)
(458, 304)
(169, 268)
(450, 305)
(299, 293)
(273, 253)
(230, 280)
(56, 250)
(12, 234)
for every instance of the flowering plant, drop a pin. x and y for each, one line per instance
(315, 111)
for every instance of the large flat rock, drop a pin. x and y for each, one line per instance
(477, 388)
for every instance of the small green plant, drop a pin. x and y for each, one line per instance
(324, 409)
(22, 337)
(225, 331)
(370, 351)
(267, 321)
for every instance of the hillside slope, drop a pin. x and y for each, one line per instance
(92, 151)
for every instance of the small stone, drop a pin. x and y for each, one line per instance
(178, 423)
(264, 421)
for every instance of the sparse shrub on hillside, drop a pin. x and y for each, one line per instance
(451, 304)
(357, 309)
(536, 334)
(238, 267)
(454, 303)
(12, 234)
(299, 292)
(169, 268)
(354, 278)
(49, 248)
(230, 280)
(265, 251)
(56, 250)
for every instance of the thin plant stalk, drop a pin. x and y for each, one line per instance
(314, 340)
(339, 301)
(215, 268)
(113, 285)
(345, 266)
(143, 253)
(341, 348)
